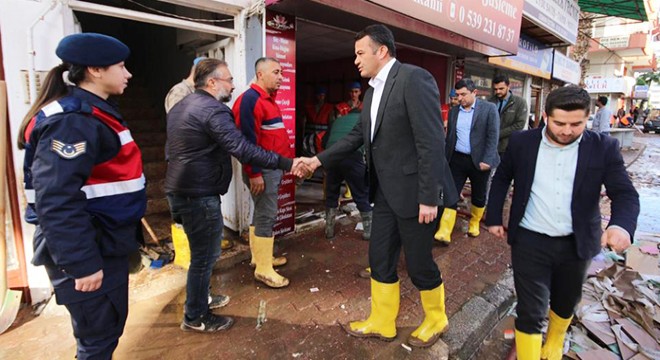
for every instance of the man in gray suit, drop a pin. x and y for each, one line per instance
(401, 129)
(472, 135)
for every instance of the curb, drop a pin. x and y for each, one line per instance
(477, 317)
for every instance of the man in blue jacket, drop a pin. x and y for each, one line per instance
(555, 224)
(202, 137)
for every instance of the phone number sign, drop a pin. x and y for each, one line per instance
(495, 23)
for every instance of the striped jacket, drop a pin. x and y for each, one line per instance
(260, 121)
(84, 184)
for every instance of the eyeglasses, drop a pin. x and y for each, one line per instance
(230, 80)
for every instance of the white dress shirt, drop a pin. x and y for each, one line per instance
(549, 208)
(378, 83)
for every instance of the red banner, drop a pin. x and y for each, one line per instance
(492, 22)
(281, 45)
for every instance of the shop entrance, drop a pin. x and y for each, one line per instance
(535, 111)
(162, 55)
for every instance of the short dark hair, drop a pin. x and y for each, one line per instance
(466, 83)
(568, 98)
(263, 60)
(206, 69)
(501, 78)
(380, 35)
(602, 100)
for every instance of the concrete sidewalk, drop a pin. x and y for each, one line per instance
(302, 319)
(301, 322)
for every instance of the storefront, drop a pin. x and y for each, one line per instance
(616, 89)
(162, 44)
(426, 36)
(317, 49)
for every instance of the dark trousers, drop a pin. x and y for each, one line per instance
(462, 168)
(201, 218)
(545, 269)
(353, 170)
(388, 234)
(98, 323)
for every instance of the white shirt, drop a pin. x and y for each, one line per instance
(378, 83)
(549, 208)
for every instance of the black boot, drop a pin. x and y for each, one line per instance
(366, 224)
(330, 216)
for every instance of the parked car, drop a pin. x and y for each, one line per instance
(652, 122)
(652, 125)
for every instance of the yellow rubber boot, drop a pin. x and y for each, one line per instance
(554, 342)
(347, 194)
(277, 260)
(435, 320)
(528, 346)
(263, 257)
(226, 244)
(477, 214)
(381, 323)
(447, 222)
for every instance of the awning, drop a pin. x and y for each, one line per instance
(629, 9)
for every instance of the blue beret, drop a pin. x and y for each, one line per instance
(355, 85)
(91, 49)
(452, 93)
(321, 90)
(198, 59)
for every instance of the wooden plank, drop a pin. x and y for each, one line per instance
(638, 334)
(602, 331)
(600, 354)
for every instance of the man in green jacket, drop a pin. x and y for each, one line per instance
(353, 170)
(512, 109)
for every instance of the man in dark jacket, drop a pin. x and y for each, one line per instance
(202, 136)
(554, 222)
(512, 110)
(472, 133)
(401, 131)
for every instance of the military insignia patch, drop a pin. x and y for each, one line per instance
(68, 151)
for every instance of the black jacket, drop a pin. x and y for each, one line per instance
(599, 163)
(405, 159)
(202, 135)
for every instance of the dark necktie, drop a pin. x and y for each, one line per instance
(500, 108)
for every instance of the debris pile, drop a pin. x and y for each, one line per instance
(619, 315)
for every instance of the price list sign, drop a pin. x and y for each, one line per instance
(495, 23)
(281, 45)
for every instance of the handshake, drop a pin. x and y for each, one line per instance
(304, 167)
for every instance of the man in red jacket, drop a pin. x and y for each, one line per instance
(260, 120)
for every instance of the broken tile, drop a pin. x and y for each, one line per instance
(600, 354)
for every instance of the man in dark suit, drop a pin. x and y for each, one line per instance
(472, 135)
(554, 223)
(401, 130)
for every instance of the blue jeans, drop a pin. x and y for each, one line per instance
(201, 218)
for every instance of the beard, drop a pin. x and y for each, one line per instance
(224, 96)
(556, 138)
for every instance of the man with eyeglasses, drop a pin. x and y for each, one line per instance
(258, 116)
(202, 136)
